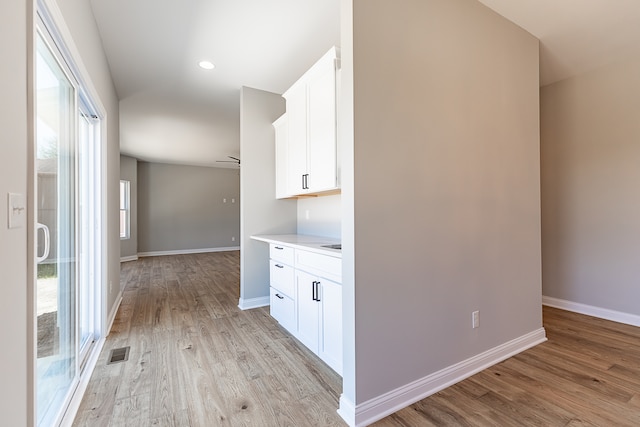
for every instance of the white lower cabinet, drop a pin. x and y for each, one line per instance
(308, 310)
(307, 303)
(330, 343)
(283, 309)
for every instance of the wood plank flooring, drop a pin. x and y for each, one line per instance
(587, 374)
(197, 360)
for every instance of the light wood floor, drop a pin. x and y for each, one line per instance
(197, 360)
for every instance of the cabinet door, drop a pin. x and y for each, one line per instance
(308, 310)
(297, 139)
(330, 345)
(321, 122)
(281, 127)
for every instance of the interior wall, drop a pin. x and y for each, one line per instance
(129, 172)
(446, 104)
(320, 216)
(13, 242)
(590, 206)
(184, 208)
(261, 213)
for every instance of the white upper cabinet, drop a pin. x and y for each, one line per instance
(281, 127)
(311, 163)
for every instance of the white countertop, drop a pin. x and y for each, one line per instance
(302, 241)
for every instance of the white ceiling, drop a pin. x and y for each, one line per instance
(576, 35)
(172, 111)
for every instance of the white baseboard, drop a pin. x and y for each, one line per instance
(129, 258)
(112, 314)
(379, 407)
(589, 310)
(76, 400)
(78, 394)
(188, 251)
(249, 303)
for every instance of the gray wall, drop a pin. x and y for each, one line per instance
(446, 195)
(13, 243)
(181, 208)
(320, 216)
(261, 212)
(590, 175)
(129, 172)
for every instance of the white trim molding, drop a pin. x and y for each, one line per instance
(249, 303)
(78, 394)
(589, 310)
(129, 258)
(112, 315)
(188, 251)
(379, 407)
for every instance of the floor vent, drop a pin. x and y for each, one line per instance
(118, 355)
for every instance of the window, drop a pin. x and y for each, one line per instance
(125, 216)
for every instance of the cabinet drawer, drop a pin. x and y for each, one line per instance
(283, 310)
(281, 253)
(282, 277)
(320, 265)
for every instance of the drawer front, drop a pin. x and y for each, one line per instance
(281, 253)
(321, 265)
(282, 277)
(283, 310)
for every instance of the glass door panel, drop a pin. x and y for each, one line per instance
(87, 218)
(56, 164)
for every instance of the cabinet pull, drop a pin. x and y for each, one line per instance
(305, 181)
(278, 248)
(315, 291)
(279, 296)
(279, 266)
(318, 291)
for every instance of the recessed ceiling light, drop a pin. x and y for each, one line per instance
(207, 65)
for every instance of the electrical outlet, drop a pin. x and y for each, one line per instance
(224, 200)
(233, 239)
(475, 319)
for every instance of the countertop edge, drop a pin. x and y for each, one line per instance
(303, 242)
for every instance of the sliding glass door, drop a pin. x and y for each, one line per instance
(68, 217)
(56, 160)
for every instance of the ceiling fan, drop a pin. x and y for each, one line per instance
(235, 160)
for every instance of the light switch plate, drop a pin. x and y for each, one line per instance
(16, 210)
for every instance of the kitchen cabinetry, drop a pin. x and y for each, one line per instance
(319, 308)
(281, 127)
(282, 286)
(311, 163)
(306, 299)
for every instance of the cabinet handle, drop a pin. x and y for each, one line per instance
(305, 181)
(279, 266)
(279, 296)
(315, 291)
(278, 248)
